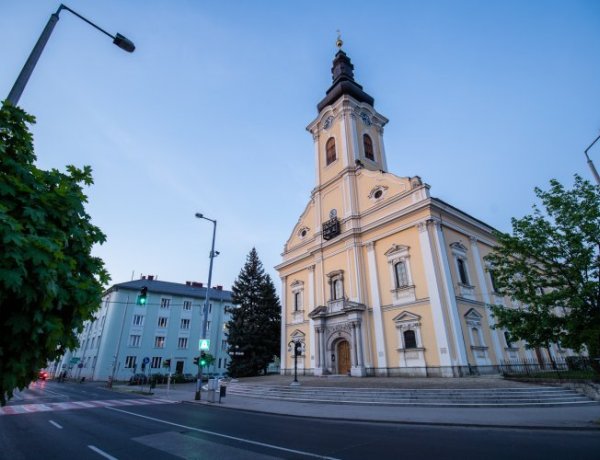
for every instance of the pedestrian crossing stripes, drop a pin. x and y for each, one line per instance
(49, 407)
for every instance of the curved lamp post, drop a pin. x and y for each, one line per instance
(589, 161)
(17, 89)
(212, 255)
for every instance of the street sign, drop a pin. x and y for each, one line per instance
(146, 360)
(204, 344)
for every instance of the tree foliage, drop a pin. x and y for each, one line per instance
(550, 266)
(254, 329)
(49, 282)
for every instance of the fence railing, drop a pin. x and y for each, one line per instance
(558, 368)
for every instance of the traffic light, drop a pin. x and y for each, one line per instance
(202, 358)
(196, 360)
(143, 297)
(167, 363)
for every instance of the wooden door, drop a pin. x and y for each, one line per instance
(343, 355)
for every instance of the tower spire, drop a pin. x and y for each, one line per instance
(342, 74)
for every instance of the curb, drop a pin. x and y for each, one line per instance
(405, 422)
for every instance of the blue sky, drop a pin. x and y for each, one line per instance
(486, 100)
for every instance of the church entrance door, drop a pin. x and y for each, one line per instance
(343, 355)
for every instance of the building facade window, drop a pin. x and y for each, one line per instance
(187, 305)
(368, 145)
(162, 321)
(493, 280)
(461, 267)
(207, 327)
(135, 340)
(165, 303)
(159, 341)
(410, 339)
(182, 342)
(403, 290)
(330, 154)
(130, 362)
(138, 320)
(185, 323)
(297, 288)
(156, 362)
(400, 274)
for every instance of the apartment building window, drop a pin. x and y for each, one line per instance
(138, 320)
(130, 362)
(159, 341)
(182, 342)
(162, 321)
(207, 327)
(185, 323)
(135, 340)
(165, 303)
(156, 362)
(187, 304)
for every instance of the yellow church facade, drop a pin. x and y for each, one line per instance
(378, 277)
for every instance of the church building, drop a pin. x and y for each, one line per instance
(379, 277)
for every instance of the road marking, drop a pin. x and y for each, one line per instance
(55, 424)
(101, 452)
(226, 436)
(33, 408)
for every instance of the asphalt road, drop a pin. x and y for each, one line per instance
(72, 421)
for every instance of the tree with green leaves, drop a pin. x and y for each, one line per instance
(254, 329)
(49, 282)
(549, 267)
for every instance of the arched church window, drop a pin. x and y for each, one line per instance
(330, 151)
(410, 339)
(368, 144)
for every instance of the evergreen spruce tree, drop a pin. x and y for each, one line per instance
(254, 328)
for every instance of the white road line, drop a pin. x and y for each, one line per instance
(226, 436)
(101, 452)
(55, 424)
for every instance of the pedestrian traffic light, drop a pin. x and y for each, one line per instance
(143, 296)
(196, 360)
(167, 363)
(203, 358)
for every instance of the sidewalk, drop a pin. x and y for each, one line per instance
(586, 417)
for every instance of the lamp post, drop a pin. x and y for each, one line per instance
(295, 347)
(212, 255)
(114, 367)
(589, 161)
(17, 89)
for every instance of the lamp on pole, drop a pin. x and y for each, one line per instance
(17, 89)
(212, 255)
(589, 161)
(296, 347)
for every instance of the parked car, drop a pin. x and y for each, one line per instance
(189, 377)
(42, 375)
(138, 379)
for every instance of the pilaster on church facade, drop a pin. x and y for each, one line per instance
(379, 277)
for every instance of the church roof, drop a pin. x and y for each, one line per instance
(342, 74)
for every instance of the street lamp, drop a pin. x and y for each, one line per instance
(212, 255)
(297, 348)
(17, 89)
(590, 164)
